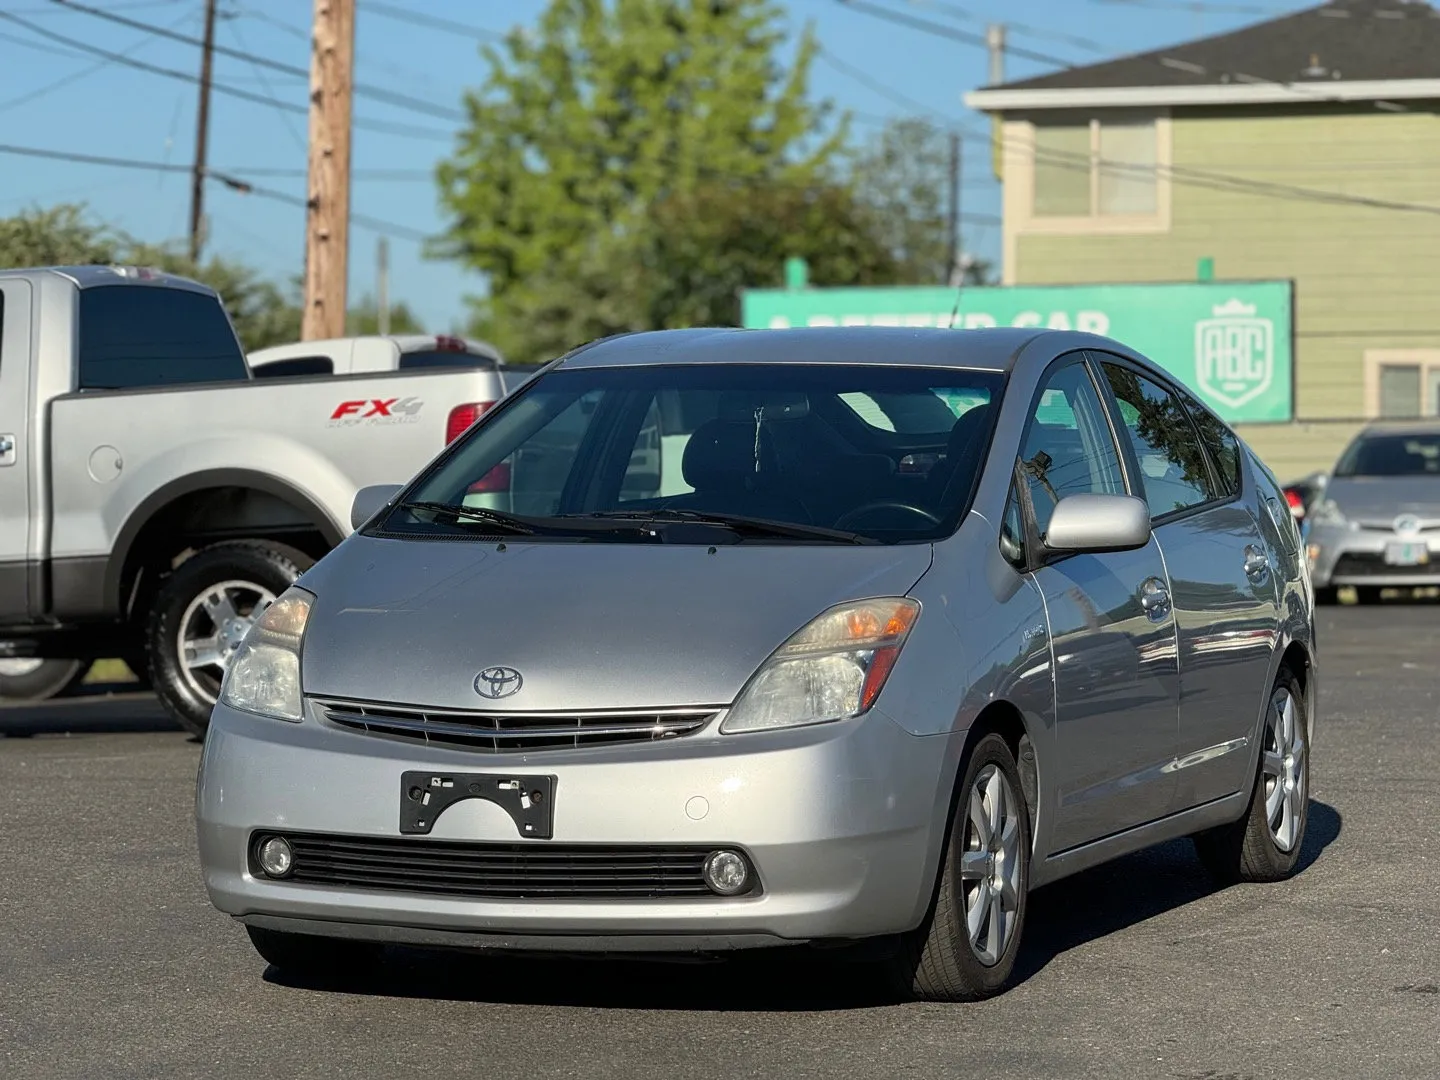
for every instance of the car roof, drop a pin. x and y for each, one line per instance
(86, 277)
(986, 349)
(1430, 426)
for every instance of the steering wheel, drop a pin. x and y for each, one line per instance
(849, 516)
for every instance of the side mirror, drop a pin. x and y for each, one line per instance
(369, 500)
(1088, 522)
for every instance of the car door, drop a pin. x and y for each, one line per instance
(1112, 634)
(1222, 583)
(14, 461)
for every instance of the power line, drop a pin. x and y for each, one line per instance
(1040, 33)
(84, 73)
(888, 92)
(220, 88)
(389, 97)
(295, 136)
(434, 22)
(234, 183)
(942, 30)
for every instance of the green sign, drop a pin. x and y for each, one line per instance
(1231, 342)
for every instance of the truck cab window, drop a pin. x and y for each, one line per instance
(133, 336)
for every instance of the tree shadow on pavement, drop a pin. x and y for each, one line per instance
(1115, 896)
(1091, 905)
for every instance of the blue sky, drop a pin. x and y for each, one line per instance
(55, 98)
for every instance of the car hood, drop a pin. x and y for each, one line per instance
(588, 625)
(1379, 500)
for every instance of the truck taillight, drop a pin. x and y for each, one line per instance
(497, 479)
(1297, 504)
(461, 417)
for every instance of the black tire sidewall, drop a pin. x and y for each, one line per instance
(50, 679)
(1280, 863)
(273, 566)
(990, 750)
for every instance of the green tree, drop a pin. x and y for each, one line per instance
(902, 176)
(605, 112)
(63, 235)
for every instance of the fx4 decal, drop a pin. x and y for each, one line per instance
(377, 411)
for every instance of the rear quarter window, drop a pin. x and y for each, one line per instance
(430, 358)
(132, 336)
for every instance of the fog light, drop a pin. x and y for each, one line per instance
(727, 872)
(276, 858)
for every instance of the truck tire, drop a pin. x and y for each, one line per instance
(201, 612)
(38, 680)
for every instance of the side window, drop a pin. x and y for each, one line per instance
(532, 480)
(1068, 447)
(296, 365)
(1172, 463)
(1220, 441)
(132, 335)
(643, 474)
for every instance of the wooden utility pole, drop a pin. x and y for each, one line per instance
(202, 136)
(327, 227)
(382, 284)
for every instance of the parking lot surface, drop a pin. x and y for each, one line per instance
(113, 964)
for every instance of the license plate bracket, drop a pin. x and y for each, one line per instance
(1407, 553)
(528, 799)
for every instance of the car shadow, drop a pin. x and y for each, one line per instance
(91, 710)
(1091, 905)
(1115, 896)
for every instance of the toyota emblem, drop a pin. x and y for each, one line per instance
(498, 682)
(1407, 525)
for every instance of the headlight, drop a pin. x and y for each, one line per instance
(832, 669)
(264, 674)
(1327, 512)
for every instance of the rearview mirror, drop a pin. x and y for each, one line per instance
(369, 500)
(1088, 522)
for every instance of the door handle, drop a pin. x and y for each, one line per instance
(1155, 599)
(1256, 561)
(7, 449)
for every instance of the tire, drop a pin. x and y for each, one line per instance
(1254, 848)
(232, 571)
(1367, 594)
(38, 680)
(312, 957)
(938, 961)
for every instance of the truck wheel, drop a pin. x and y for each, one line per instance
(200, 615)
(32, 679)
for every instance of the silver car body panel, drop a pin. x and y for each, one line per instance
(1141, 729)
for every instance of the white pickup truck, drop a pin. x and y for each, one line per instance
(155, 495)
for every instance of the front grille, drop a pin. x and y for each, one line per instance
(502, 732)
(500, 871)
(1368, 565)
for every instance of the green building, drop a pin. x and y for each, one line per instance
(1305, 148)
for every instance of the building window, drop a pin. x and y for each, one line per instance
(1097, 169)
(1402, 383)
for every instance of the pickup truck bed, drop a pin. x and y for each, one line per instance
(154, 496)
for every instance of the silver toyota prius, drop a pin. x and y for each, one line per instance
(719, 639)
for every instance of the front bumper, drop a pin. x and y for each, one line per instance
(1341, 555)
(843, 823)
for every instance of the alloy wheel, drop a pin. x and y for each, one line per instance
(1283, 768)
(214, 624)
(990, 865)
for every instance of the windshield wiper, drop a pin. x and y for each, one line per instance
(738, 522)
(458, 513)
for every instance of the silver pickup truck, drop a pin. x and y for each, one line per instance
(155, 496)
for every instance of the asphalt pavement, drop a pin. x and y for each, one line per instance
(113, 964)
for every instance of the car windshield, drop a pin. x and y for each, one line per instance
(1392, 455)
(674, 453)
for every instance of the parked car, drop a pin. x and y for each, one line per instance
(1378, 524)
(154, 497)
(1302, 494)
(806, 696)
